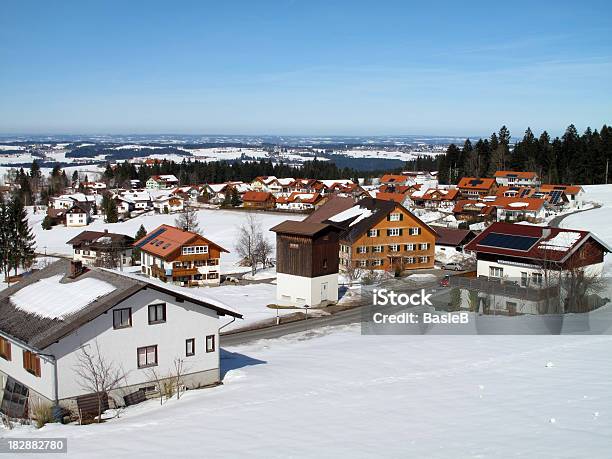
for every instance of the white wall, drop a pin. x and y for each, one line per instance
(298, 290)
(183, 321)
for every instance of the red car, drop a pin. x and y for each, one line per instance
(445, 281)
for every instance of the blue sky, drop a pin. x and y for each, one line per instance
(304, 67)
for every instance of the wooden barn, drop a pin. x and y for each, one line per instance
(307, 262)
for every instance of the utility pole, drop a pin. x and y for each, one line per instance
(607, 163)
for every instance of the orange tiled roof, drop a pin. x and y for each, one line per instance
(257, 196)
(168, 240)
(393, 178)
(473, 183)
(397, 197)
(519, 203)
(568, 189)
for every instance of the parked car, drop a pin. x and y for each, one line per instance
(445, 281)
(453, 266)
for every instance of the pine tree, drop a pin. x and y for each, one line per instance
(21, 239)
(235, 198)
(112, 214)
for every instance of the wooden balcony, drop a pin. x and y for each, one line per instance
(182, 272)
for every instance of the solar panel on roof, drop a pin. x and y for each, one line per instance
(525, 192)
(509, 241)
(150, 236)
(555, 196)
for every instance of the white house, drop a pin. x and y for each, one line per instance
(162, 182)
(524, 268)
(65, 201)
(513, 178)
(102, 248)
(78, 215)
(139, 324)
(168, 204)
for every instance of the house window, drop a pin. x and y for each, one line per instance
(415, 231)
(147, 356)
(363, 263)
(31, 362)
(423, 259)
(373, 233)
(524, 280)
(294, 246)
(122, 318)
(362, 249)
(409, 260)
(394, 248)
(377, 262)
(210, 343)
(5, 349)
(423, 246)
(395, 217)
(190, 347)
(496, 272)
(377, 249)
(212, 276)
(157, 313)
(394, 231)
(195, 249)
(77, 251)
(537, 278)
(409, 247)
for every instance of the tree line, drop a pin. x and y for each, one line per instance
(570, 159)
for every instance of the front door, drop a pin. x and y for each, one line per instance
(324, 291)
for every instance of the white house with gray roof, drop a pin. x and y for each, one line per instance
(137, 323)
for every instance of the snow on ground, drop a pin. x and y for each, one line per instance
(268, 273)
(220, 226)
(336, 393)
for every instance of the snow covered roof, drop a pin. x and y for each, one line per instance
(46, 305)
(50, 298)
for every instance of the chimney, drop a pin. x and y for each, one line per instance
(105, 231)
(545, 233)
(76, 269)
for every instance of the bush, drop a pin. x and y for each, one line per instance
(168, 389)
(42, 414)
(47, 223)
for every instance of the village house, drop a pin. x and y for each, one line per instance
(305, 186)
(394, 180)
(101, 248)
(475, 188)
(512, 178)
(423, 178)
(187, 193)
(168, 204)
(378, 235)
(49, 319)
(141, 198)
(516, 209)
(435, 198)
(574, 193)
(471, 211)
(306, 263)
(162, 182)
(452, 240)
(94, 187)
(403, 199)
(528, 269)
(258, 200)
(65, 201)
(79, 214)
(263, 183)
(301, 201)
(182, 257)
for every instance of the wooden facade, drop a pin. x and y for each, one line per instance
(385, 251)
(307, 255)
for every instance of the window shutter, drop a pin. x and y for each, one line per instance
(25, 359)
(37, 367)
(401, 216)
(388, 217)
(367, 249)
(377, 232)
(388, 232)
(401, 231)
(8, 351)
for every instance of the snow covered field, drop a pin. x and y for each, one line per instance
(220, 226)
(336, 393)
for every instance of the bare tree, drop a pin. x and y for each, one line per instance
(188, 220)
(264, 250)
(153, 375)
(96, 374)
(179, 371)
(250, 242)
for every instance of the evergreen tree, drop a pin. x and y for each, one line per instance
(142, 232)
(235, 198)
(21, 238)
(112, 214)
